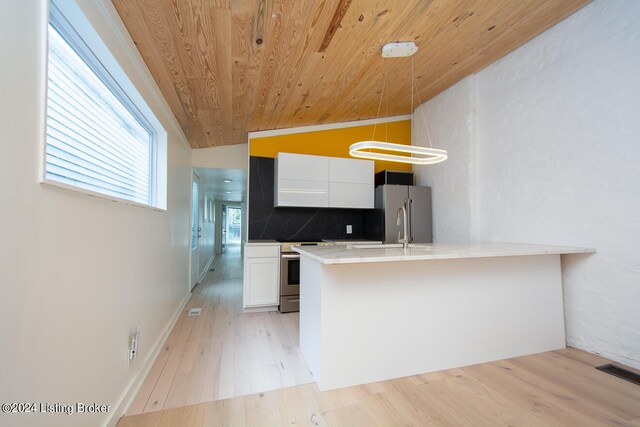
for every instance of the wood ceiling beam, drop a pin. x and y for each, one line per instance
(340, 12)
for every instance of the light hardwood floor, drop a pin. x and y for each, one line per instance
(559, 388)
(229, 360)
(223, 353)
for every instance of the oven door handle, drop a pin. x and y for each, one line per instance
(291, 256)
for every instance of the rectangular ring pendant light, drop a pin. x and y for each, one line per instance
(418, 155)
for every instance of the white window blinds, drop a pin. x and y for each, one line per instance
(93, 141)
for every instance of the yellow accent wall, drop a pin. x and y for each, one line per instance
(335, 142)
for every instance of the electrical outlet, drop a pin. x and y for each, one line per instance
(133, 348)
(349, 229)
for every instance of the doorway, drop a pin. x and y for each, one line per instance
(231, 228)
(223, 243)
(218, 218)
(234, 225)
(196, 229)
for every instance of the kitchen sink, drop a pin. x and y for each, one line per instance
(423, 246)
(378, 246)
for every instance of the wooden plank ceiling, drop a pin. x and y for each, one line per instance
(227, 67)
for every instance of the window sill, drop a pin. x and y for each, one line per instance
(78, 190)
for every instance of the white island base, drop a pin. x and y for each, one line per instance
(367, 321)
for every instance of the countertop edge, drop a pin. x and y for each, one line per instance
(398, 255)
(261, 243)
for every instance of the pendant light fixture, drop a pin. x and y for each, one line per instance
(385, 150)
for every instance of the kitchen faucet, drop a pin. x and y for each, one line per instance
(402, 212)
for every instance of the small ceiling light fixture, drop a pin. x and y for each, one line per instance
(228, 192)
(227, 181)
(406, 153)
(398, 50)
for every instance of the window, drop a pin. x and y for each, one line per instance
(96, 137)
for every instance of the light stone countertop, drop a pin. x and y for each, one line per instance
(352, 242)
(351, 254)
(261, 242)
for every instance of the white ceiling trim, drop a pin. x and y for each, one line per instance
(315, 128)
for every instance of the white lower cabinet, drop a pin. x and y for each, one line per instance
(261, 276)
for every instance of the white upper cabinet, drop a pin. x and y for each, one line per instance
(351, 183)
(302, 167)
(346, 195)
(298, 192)
(353, 171)
(301, 180)
(317, 181)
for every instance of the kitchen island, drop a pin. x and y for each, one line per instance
(370, 314)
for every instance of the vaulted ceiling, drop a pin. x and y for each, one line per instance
(227, 67)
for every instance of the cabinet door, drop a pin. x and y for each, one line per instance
(347, 195)
(262, 251)
(312, 194)
(302, 167)
(261, 281)
(301, 180)
(352, 171)
(351, 183)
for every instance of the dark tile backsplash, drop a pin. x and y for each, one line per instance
(297, 224)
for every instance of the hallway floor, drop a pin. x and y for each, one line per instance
(223, 353)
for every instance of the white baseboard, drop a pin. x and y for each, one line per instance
(204, 272)
(260, 309)
(134, 386)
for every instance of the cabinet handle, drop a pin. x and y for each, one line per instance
(294, 300)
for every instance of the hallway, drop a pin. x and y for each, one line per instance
(223, 353)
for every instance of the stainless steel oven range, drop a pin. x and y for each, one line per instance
(290, 275)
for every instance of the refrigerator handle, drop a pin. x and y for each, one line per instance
(410, 215)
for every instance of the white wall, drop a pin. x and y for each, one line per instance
(217, 244)
(553, 152)
(448, 122)
(223, 157)
(244, 223)
(78, 272)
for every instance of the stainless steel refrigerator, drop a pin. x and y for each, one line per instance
(382, 221)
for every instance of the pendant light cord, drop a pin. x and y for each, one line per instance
(412, 84)
(419, 155)
(384, 84)
(386, 114)
(426, 128)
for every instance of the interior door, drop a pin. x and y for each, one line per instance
(196, 228)
(203, 237)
